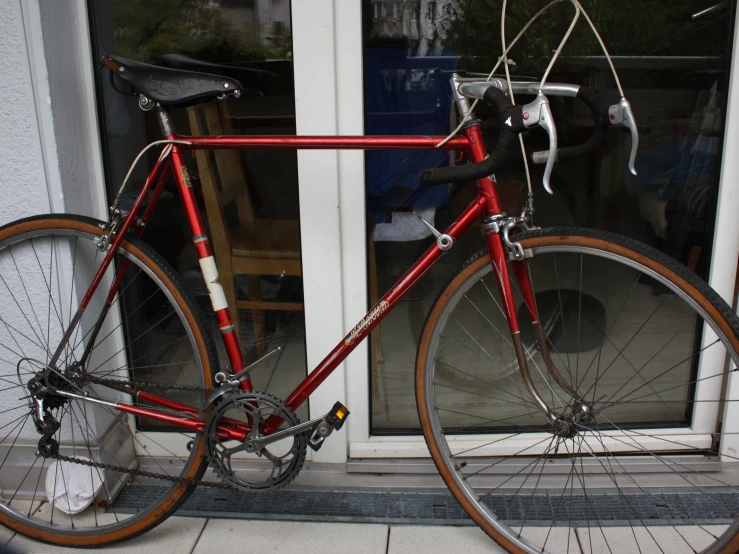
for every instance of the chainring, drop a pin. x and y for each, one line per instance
(275, 465)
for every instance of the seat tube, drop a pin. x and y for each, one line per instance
(205, 253)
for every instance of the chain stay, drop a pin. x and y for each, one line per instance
(132, 384)
(138, 472)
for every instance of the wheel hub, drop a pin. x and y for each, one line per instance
(567, 426)
(563, 427)
(42, 386)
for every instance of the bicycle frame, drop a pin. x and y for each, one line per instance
(486, 205)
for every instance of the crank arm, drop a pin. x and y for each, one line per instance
(261, 442)
(319, 428)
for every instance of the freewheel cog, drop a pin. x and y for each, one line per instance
(237, 463)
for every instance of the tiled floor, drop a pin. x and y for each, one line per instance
(226, 536)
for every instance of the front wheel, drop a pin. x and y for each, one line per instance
(644, 342)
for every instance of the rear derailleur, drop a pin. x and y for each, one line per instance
(45, 423)
(42, 399)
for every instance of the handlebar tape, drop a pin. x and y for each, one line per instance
(601, 124)
(511, 124)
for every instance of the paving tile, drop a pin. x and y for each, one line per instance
(5, 535)
(405, 539)
(242, 536)
(176, 534)
(658, 539)
(554, 540)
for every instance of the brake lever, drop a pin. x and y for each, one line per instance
(539, 113)
(622, 114)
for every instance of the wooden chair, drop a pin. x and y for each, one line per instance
(250, 247)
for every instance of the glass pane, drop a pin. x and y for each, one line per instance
(674, 70)
(248, 199)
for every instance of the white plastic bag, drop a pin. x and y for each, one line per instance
(72, 487)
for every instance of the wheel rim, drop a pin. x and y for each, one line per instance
(524, 434)
(145, 337)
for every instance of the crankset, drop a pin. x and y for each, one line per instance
(280, 454)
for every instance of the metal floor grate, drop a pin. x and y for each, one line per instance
(440, 508)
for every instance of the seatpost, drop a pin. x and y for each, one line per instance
(165, 122)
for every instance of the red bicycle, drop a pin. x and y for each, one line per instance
(571, 424)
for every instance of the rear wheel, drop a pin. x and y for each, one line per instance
(644, 342)
(152, 336)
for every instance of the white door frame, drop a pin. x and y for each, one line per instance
(726, 239)
(327, 50)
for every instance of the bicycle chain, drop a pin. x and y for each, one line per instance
(133, 384)
(138, 472)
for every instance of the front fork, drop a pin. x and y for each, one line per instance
(495, 230)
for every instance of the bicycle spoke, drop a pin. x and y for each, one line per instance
(631, 479)
(561, 309)
(538, 480)
(147, 322)
(128, 316)
(48, 286)
(665, 372)
(522, 401)
(631, 351)
(131, 364)
(20, 309)
(121, 480)
(620, 353)
(136, 339)
(525, 449)
(507, 340)
(28, 297)
(579, 325)
(608, 331)
(487, 420)
(668, 465)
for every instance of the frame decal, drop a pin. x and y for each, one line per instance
(185, 176)
(368, 320)
(210, 272)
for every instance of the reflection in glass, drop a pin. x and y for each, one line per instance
(674, 71)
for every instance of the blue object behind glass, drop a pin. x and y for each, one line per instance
(405, 94)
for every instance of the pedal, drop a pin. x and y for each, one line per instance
(337, 416)
(332, 421)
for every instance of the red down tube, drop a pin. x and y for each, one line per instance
(378, 312)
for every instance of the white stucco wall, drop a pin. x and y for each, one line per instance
(49, 146)
(74, 145)
(23, 189)
(49, 162)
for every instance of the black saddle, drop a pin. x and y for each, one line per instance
(172, 87)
